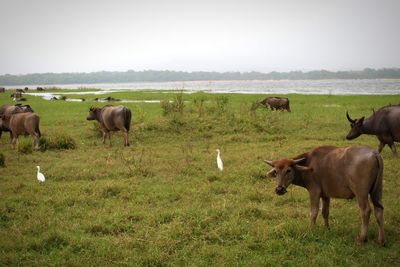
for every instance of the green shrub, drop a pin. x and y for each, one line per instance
(199, 103)
(2, 160)
(176, 106)
(59, 141)
(25, 145)
(221, 104)
(166, 107)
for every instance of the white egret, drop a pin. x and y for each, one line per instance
(40, 175)
(219, 161)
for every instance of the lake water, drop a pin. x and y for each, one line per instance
(335, 87)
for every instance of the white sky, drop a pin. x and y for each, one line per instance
(202, 35)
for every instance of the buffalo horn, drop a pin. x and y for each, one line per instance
(296, 161)
(269, 162)
(348, 117)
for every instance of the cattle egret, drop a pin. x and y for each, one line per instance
(40, 175)
(219, 161)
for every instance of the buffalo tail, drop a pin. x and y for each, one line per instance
(127, 118)
(377, 187)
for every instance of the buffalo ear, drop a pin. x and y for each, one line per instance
(303, 168)
(360, 121)
(271, 173)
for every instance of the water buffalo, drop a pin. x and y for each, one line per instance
(8, 110)
(16, 95)
(276, 103)
(22, 123)
(329, 171)
(384, 123)
(2, 90)
(112, 118)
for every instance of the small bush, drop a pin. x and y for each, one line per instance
(2, 160)
(199, 103)
(60, 141)
(166, 107)
(176, 106)
(25, 145)
(221, 104)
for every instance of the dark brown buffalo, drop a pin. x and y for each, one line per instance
(21, 124)
(276, 103)
(384, 123)
(328, 171)
(2, 90)
(16, 95)
(8, 110)
(112, 119)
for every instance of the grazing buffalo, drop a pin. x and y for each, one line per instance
(16, 95)
(2, 90)
(328, 171)
(276, 103)
(8, 110)
(112, 118)
(22, 123)
(384, 123)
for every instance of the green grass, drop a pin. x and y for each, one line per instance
(162, 201)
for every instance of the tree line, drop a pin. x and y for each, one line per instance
(166, 75)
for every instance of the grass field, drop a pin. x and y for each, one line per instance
(162, 201)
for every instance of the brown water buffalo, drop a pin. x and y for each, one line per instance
(22, 123)
(276, 103)
(384, 123)
(2, 90)
(8, 110)
(328, 171)
(112, 118)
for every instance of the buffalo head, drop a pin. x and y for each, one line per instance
(285, 171)
(356, 127)
(92, 114)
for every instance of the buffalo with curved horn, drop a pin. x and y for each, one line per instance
(384, 123)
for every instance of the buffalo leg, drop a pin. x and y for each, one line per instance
(109, 137)
(35, 141)
(126, 138)
(104, 137)
(314, 205)
(14, 142)
(325, 210)
(393, 148)
(379, 219)
(365, 211)
(380, 147)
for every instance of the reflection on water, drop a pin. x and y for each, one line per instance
(336, 87)
(57, 97)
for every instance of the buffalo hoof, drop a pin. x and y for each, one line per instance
(361, 241)
(381, 243)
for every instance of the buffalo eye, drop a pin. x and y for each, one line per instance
(288, 170)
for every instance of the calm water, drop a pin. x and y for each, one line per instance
(335, 87)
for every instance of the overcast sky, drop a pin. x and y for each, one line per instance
(203, 35)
